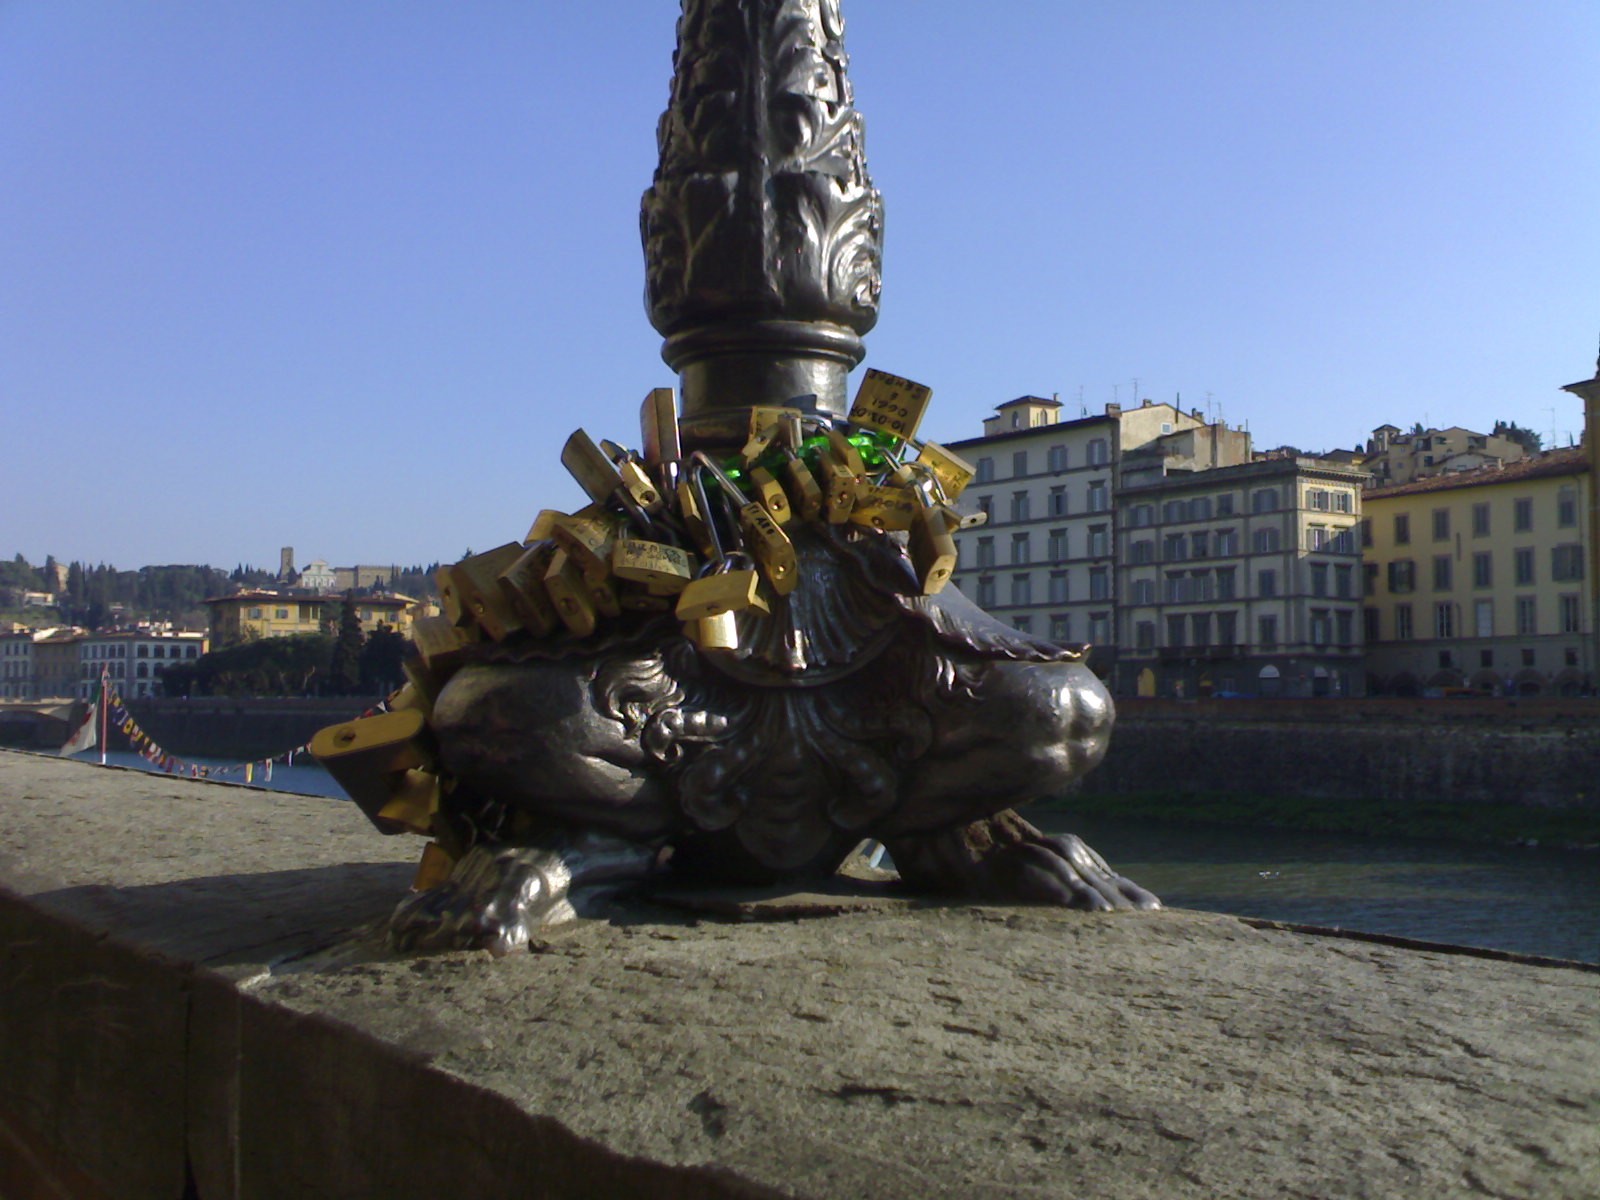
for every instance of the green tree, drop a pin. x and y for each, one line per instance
(1530, 441)
(346, 666)
(380, 660)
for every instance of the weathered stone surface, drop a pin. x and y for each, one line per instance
(887, 1049)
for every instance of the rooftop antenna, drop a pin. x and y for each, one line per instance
(1134, 399)
(1083, 405)
(1553, 434)
(1211, 414)
(1116, 394)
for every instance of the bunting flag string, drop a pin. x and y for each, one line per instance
(147, 748)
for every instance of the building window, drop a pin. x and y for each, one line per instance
(1177, 585)
(1343, 581)
(1441, 572)
(985, 471)
(1403, 631)
(1265, 541)
(1317, 537)
(1344, 502)
(1144, 591)
(1567, 507)
(1202, 629)
(1402, 576)
(1267, 633)
(1225, 504)
(1099, 541)
(1020, 551)
(1527, 614)
(1099, 497)
(1019, 506)
(1566, 563)
(1199, 543)
(1023, 624)
(1225, 583)
(1444, 620)
(1019, 463)
(1483, 619)
(1021, 589)
(1061, 627)
(1057, 545)
(1058, 587)
(1100, 628)
(1141, 515)
(1441, 524)
(1144, 635)
(1099, 452)
(1058, 501)
(1319, 579)
(1227, 542)
(1317, 500)
(1527, 658)
(1486, 658)
(1174, 548)
(986, 593)
(1366, 531)
(1058, 458)
(1480, 520)
(1227, 628)
(985, 552)
(1369, 622)
(1264, 500)
(1099, 584)
(986, 507)
(1522, 515)
(1321, 627)
(1266, 584)
(1523, 560)
(1200, 508)
(1571, 614)
(1173, 511)
(1402, 529)
(1174, 632)
(1143, 551)
(1483, 570)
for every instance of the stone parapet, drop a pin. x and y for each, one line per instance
(192, 1003)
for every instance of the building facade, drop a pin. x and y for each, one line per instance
(246, 616)
(1044, 562)
(16, 666)
(1480, 580)
(1240, 579)
(1395, 458)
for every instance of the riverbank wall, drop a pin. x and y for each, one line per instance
(1490, 752)
(195, 1004)
(240, 728)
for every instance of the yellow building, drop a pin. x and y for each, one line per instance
(246, 616)
(1478, 580)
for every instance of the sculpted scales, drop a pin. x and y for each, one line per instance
(741, 660)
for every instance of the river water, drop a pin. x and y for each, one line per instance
(1531, 900)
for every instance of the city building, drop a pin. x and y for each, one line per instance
(55, 664)
(1478, 580)
(262, 614)
(16, 666)
(1394, 458)
(1044, 560)
(1236, 575)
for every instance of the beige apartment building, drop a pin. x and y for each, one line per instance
(1478, 580)
(1237, 576)
(1395, 458)
(1044, 561)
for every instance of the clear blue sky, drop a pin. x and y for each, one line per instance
(344, 276)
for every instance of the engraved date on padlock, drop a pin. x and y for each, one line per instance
(951, 470)
(890, 404)
(887, 508)
(661, 567)
(770, 547)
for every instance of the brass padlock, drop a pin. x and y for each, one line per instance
(885, 507)
(366, 755)
(658, 431)
(469, 591)
(731, 590)
(714, 633)
(433, 868)
(696, 521)
(767, 425)
(587, 536)
(804, 492)
(770, 492)
(890, 404)
(770, 547)
(570, 594)
(951, 470)
(933, 551)
(640, 486)
(523, 585)
(413, 799)
(603, 594)
(845, 453)
(440, 642)
(596, 474)
(660, 567)
(839, 487)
